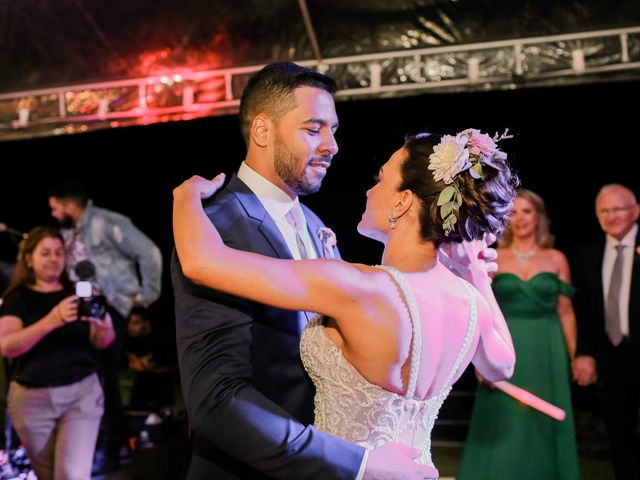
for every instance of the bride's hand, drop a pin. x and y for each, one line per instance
(201, 186)
(470, 260)
(481, 379)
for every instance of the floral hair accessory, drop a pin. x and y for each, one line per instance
(468, 151)
(328, 240)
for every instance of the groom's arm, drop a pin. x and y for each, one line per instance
(214, 342)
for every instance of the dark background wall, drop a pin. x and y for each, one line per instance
(568, 142)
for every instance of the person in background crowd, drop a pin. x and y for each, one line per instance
(151, 355)
(55, 400)
(128, 269)
(607, 273)
(532, 286)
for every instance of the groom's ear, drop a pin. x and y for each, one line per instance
(261, 130)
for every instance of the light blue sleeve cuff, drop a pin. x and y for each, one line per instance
(363, 465)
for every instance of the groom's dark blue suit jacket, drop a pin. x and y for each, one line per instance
(249, 400)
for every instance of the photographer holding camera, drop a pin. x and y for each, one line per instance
(128, 268)
(55, 400)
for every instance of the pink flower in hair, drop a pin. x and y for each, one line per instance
(480, 142)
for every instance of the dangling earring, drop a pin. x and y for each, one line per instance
(392, 221)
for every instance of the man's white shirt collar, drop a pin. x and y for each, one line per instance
(628, 240)
(275, 201)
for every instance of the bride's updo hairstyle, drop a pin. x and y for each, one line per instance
(464, 183)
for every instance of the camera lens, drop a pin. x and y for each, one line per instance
(94, 307)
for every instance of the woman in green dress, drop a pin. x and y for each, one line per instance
(506, 438)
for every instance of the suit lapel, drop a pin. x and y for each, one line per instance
(255, 210)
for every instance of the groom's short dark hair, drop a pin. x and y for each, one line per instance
(271, 90)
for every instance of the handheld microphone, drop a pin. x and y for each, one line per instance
(89, 303)
(85, 269)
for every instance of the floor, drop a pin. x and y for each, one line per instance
(446, 458)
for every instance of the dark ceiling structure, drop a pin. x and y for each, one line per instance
(77, 65)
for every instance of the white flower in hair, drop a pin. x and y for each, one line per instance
(449, 158)
(468, 150)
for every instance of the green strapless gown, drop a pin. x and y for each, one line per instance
(508, 440)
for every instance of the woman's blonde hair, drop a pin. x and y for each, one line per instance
(544, 239)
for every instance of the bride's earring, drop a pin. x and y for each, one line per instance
(392, 221)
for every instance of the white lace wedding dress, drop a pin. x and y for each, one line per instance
(348, 406)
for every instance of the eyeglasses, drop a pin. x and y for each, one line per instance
(615, 210)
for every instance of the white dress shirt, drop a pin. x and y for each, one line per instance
(277, 204)
(609, 259)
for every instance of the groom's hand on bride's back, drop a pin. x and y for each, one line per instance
(394, 461)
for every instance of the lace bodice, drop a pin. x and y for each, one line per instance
(348, 406)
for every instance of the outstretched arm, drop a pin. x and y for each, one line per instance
(330, 287)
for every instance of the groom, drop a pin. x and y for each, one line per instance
(249, 400)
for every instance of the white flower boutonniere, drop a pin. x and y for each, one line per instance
(328, 240)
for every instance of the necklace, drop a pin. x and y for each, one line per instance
(523, 256)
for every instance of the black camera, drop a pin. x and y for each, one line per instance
(90, 304)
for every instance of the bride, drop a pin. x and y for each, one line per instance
(391, 339)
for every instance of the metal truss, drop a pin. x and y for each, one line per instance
(183, 94)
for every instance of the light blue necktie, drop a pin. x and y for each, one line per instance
(295, 217)
(612, 309)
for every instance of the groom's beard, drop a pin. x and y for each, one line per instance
(286, 164)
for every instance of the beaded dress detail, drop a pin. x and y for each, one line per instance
(349, 407)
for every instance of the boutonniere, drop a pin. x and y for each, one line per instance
(328, 240)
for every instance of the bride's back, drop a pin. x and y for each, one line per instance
(447, 305)
(379, 339)
(370, 402)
